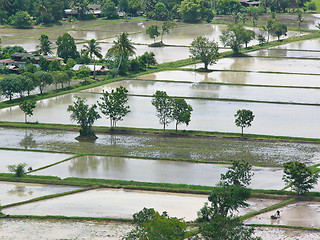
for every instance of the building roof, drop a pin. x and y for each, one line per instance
(99, 68)
(6, 61)
(94, 6)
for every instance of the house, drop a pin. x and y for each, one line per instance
(247, 3)
(20, 58)
(100, 69)
(94, 9)
(7, 62)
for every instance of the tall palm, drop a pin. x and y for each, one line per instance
(123, 47)
(42, 8)
(93, 49)
(5, 4)
(45, 45)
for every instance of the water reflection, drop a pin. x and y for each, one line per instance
(20, 191)
(28, 141)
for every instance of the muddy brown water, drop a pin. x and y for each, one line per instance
(157, 171)
(123, 204)
(271, 119)
(12, 192)
(289, 234)
(32, 159)
(275, 52)
(304, 214)
(210, 149)
(252, 78)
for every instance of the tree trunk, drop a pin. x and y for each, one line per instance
(25, 118)
(176, 126)
(94, 68)
(120, 62)
(242, 131)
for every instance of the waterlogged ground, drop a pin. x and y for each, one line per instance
(277, 52)
(28, 229)
(270, 233)
(246, 78)
(271, 119)
(265, 64)
(205, 90)
(32, 159)
(123, 204)
(306, 45)
(17, 192)
(157, 171)
(304, 214)
(210, 149)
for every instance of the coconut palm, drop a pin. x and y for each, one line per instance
(93, 49)
(123, 47)
(42, 8)
(5, 4)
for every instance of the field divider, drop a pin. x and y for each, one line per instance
(284, 226)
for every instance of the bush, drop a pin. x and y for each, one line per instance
(21, 20)
(312, 6)
(18, 170)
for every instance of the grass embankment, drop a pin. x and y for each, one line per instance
(159, 132)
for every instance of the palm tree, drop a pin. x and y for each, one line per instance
(5, 4)
(93, 49)
(45, 45)
(123, 47)
(42, 8)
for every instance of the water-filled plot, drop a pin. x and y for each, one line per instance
(303, 214)
(158, 171)
(305, 45)
(229, 77)
(30, 229)
(124, 203)
(275, 52)
(271, 119)
(205, 90)
(265, 64)
(272, 233)
(13, 192)
(32, 159)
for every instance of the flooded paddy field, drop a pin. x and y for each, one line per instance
(277, 52)
(13, 192)
(30, 229)
(271, 119)
(303, 214)
(265, 64)
(250, 78)
(123, 204)
(159, 171)
(271, 233)
(32, 159)
(306, 45)
(204, 90)
(209, 149)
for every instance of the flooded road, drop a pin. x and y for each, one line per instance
(143, 170)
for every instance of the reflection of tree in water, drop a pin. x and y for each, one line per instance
(28, 141)
(20, 191)
(83, 165)
(205, 90)
(234, 77)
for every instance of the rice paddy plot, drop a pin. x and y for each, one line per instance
(157, 171)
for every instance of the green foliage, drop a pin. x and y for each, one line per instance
(152, 225)
(278, 30)
(204, 50)
(148, 59)
(312, 6)
(161, 12)
(27, 107)
(166, 27)
(209, 15)
(244, 118)
(153, 32)
(181, 112)
(31, 68)
(233, 37)
(18, 170)
(66, 47)
(45, 45)
(83, 72)
(55, 65)
(93, 50)
(299, 177)
(239, 175)
(247, 36)
(70, 63)
(192, 11)
(60, 78)
(114, 105)
(84, 115)
(43, 79)
(109, 10)
(44, 64)
(164, 106)
(225, 7)
(9, 86)
(21, 20)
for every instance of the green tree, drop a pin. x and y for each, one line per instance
(247, 36)
(153, 32)
(27, 107)
(42, 8)
(239, 175)
(94, 50)
(166, 27)
(204, 50)
(22, 20)
(161, 12)
(114, 105)
(55, 65)
(123, 47)
(44, 79)
(268, 27)
(18, 170)
(300, 18)
(278, 30)
(44, 64)
(192, 11)
(9, 86)
(109, 10)
(299, 177)
(148, 58)
(164, 106)
(24, 84)
(152, 225)
(225, 7)
(84, 115)
(45, 45)
(233, 37)
(181, 112)
(244, 118)
(253, 13)
(66, 47)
